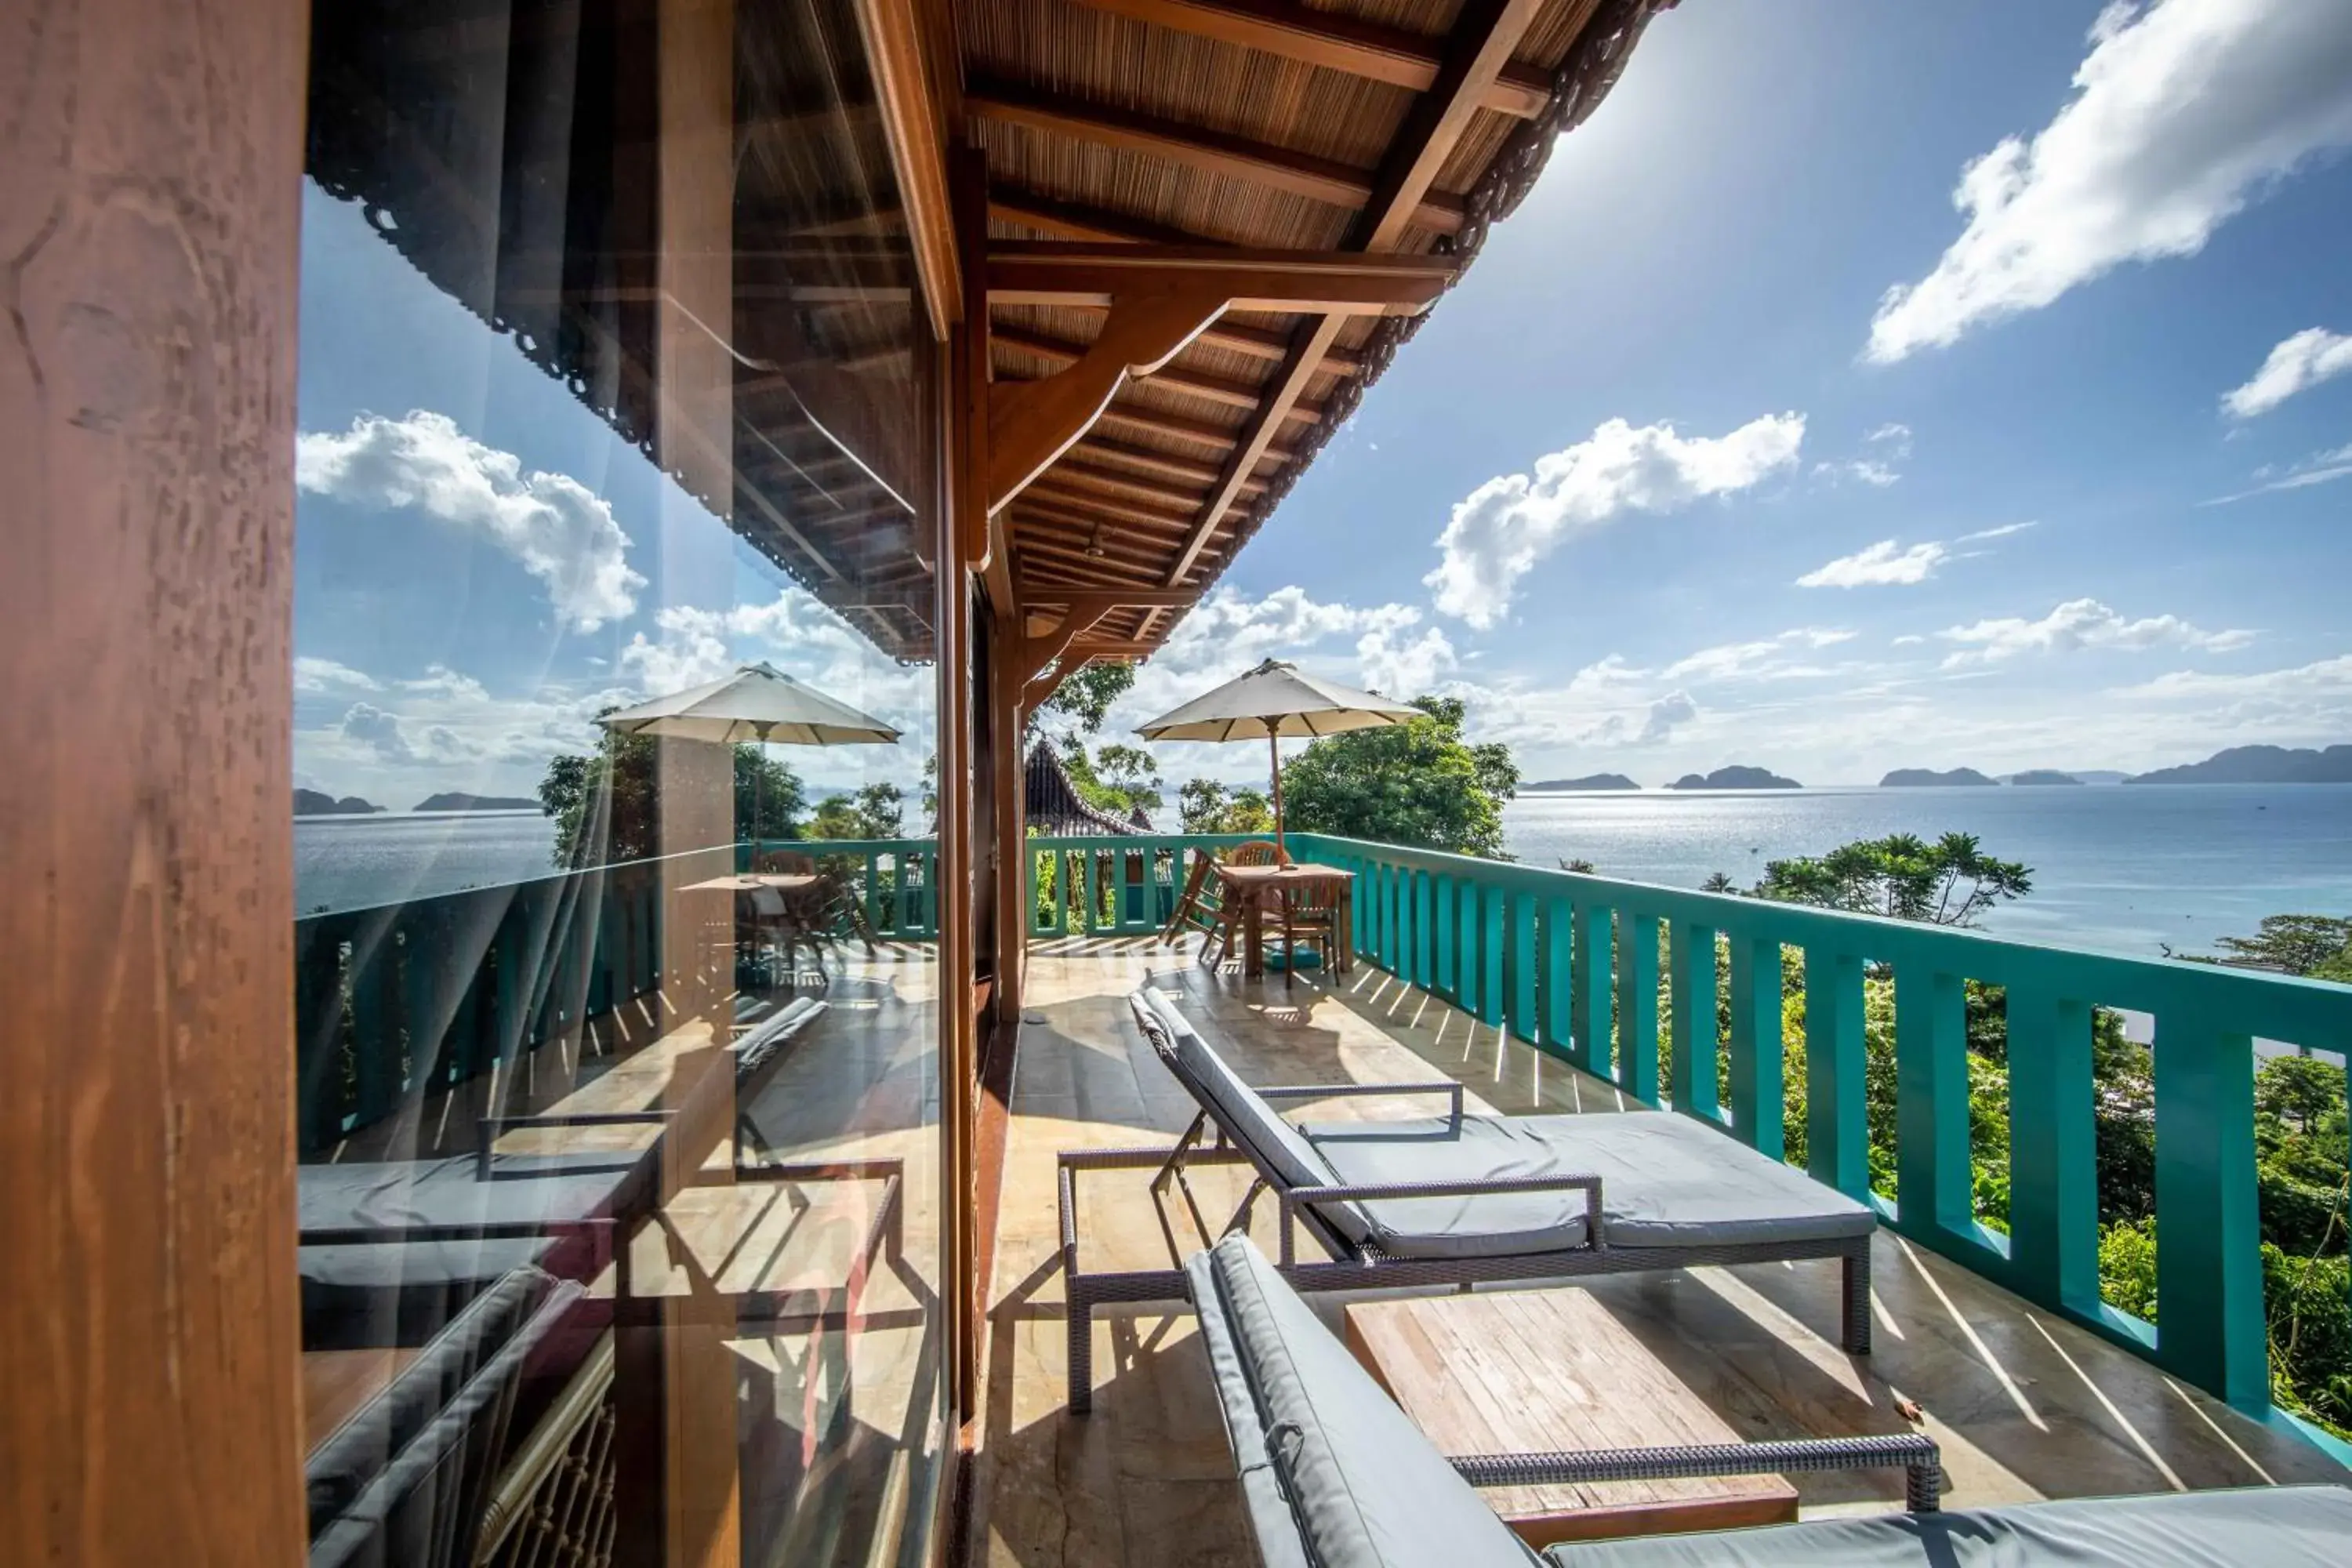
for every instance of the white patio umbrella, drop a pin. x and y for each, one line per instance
(757, 702)
(1275, 699)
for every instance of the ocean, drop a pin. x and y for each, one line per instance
(2123, 868)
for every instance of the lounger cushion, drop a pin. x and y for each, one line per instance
(1236, 1106)
(1665, 1181)
(2278, 1527)
(1478, 1148)
(1332, 1472)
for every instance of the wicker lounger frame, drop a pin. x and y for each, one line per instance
(1353, 1266)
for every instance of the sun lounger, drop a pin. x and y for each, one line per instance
(1460, 1200)
(1333, 1474)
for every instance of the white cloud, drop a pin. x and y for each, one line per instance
(373, 730)
(554, 527)
(1890, 444)
(1909, 639)
(326, 675)
(1388, 663)
(1674, 708)
(1504, 526)
(1879, 564)
(2077, 625)
(2327, 677)
(2296, 365)
(2323, 467)
(2003, 531)
(2183, 111)
(1765, 659)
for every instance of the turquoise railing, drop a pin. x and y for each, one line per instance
(1572, 964)
(895, 878)
(398, 999)
(1090, 885)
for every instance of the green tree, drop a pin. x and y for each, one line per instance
(1208, 806)
(1083, 700)
(1902, 877)
(1130, 773)
(1417, 783)
(2318, 946)
(877, 811)
(607, 805)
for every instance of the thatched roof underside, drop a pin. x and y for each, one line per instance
(475, 132)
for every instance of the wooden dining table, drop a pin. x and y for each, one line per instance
(1257, 889)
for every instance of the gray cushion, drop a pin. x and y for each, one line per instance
(1502, 1225)
(524, 1190)
(1333, 1471)
(1237, 1107)
(1665, 1180)
(2277, 1527)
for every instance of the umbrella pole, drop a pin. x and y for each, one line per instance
(1274, 757)
(759, 779)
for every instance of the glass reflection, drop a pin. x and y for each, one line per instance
(618, 1069)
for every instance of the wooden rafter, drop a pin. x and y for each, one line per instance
(1223, 389)
(1334, 41)
(1333, 282)
(1073, 220)
(912, 121)
(1484, 34)
(1212, 152)
(1159, 299)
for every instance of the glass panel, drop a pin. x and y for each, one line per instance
(618, 1084)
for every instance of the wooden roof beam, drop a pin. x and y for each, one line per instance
(1335, 282)
(1197, 384)
(1028, 592)
(1485, 32)
(1334, 42)
(1212, 152)
(1073, 220)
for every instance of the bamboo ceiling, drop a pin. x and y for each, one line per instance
(509, 148)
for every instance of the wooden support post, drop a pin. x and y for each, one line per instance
(151, 210)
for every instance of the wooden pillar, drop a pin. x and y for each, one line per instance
(150, 208)
(679, 1487)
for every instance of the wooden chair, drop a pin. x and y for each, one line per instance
(1310, 911)
(1193, 911)
(782, 863)
(1256, 852)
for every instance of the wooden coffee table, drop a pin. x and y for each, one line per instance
(1537, 1371)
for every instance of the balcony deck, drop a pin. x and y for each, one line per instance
(2024, 1403)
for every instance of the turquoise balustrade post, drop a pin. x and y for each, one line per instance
(1424, 972)
(2054, 1169)
(1520, 932)
(1589, 1011)
(1934, 1180)
(1837, 1128)
(1637, 1005)
(1556, 971)
(1754, 1047)
(2209, 1268)
(1445, 909)
(1492, 943)
(1691, 994)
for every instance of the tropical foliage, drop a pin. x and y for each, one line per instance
(2300, 1131)
(1418, 783)
(607, 805)
(1208, 806)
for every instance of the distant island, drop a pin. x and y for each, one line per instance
(318, 803)
(1928, 778)
(1591, 781)
(456, 800)
(1736, 777)
(2260, 764)
(2044, 776)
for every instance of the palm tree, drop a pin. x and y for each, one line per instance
(1718, 882)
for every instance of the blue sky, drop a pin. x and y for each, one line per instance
(1672, 481)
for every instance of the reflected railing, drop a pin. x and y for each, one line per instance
(429, 993)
